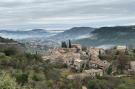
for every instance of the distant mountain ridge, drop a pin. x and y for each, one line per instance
(24, 32)
(73, 33)
(34, 33)
(119, 35)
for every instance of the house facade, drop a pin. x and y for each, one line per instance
(99, 64)
(131, 71)
(121, 48)
(132, 65)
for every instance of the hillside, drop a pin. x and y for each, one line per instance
(73, 33)
(3, 40)
(120, 35)
(10, 43)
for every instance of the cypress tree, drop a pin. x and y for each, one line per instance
(70, 44)
(63, 44)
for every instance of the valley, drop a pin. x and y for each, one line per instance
(104, 37)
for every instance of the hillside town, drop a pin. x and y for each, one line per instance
(89, 61)
(67, 44)
(69, 66)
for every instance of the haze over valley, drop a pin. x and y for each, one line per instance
(104, 37)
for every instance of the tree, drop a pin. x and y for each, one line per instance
(109, 71)
(123, 60)
(70, 44)
(63, 44)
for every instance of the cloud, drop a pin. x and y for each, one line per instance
(53, 14)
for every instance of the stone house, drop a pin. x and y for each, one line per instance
(78, 64)
(94, 72)
(69, 62)
(71, 56)
(78, 47)
(121, 48)
(132, 65)
(53, 55)
(86, 74)
(94, 53)
(96, 64)
(132, 68)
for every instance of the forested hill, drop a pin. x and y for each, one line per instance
(117, 29)
(119, 35)
(73, 33)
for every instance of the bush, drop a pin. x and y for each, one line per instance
(22, 78)
(122, 86)
(38, 77)
(6, 82)
(97, 84)
(109, 71)
(63, 44)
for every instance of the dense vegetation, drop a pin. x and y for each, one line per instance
(21, 70)
(112, 83)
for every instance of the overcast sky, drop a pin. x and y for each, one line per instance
(64, 14)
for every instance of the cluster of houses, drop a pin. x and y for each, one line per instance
(86, 63)
(72, 58)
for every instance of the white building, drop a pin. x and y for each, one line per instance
(78, 64)
(132, 65)
(131, 71)
(121, 47)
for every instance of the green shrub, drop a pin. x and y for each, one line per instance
(22, 78)
(109, 71)
(6, 82)
(97, 84)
